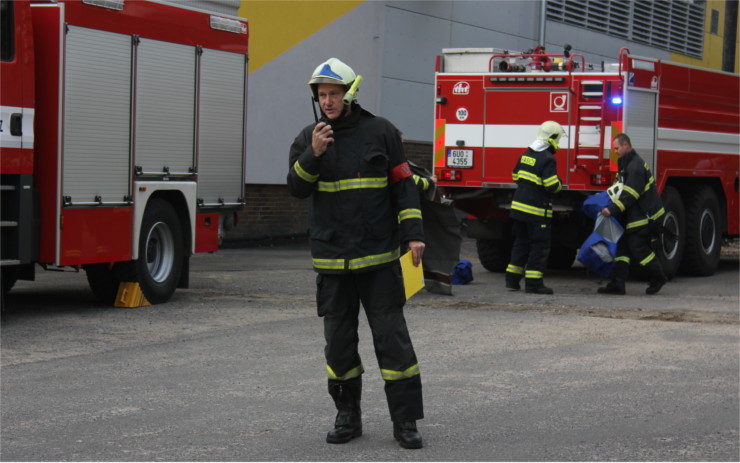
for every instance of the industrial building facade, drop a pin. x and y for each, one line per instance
(393, 45)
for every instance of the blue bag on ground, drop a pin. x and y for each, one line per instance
(597, 253)
(462, 273)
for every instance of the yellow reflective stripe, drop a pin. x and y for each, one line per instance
(424, 182)
(353, 373)
(619, 205)
(658, 214)
(631, 191)
(409, 214)
(622, 259)
(529, 209)
(524, 175)
(303, 174)
(650, 182)
(533, 274)
(353, 184)
(515, 269)
(552, 180)
(376, 259)
(329, 264)
(515, 176)
(637, 223)
(358, 263)
(648, 259)
(393, 375)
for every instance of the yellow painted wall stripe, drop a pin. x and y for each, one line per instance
(277, 26)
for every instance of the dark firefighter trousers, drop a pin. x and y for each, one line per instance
(382, 295)
(636, 247)
(529, 252)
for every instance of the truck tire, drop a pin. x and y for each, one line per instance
(494, 255)
(561, 258)
(8, 277)
(103, 282)
(161, 253)
(669, 248)
(703, 234)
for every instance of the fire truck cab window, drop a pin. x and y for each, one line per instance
(7, 31)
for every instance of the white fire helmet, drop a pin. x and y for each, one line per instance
(332, 71)
(550, 131)
(615, 190)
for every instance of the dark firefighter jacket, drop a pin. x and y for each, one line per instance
(364, 202)
(537, 180)
(638, 202)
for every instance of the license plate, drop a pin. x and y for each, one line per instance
(460, 158)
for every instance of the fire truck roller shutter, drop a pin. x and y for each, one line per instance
(97, 113)
(221, 128)
(161, 253)
(165, 107)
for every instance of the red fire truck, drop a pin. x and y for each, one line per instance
(682, 120)
(122, 130)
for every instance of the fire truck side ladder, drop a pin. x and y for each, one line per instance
(590, 124)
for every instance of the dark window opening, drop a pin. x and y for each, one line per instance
(714, 27)
(7, 31)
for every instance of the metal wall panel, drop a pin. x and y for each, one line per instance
(221, 127)
(640, 108)
(165, 107)
(97, 114)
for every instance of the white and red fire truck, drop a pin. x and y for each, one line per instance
(122, 138)
(682, 120)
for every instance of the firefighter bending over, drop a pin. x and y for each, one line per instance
(634, 196)
(363, 204)
(531, 210)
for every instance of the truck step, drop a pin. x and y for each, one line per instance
(8, 223)
(9, 262)
(7, 187)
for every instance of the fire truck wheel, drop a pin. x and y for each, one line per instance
(494, 255)
(161, 253)
(703, 232)
(8, 277)
(102, 281)
(670, 246)
(561, 258)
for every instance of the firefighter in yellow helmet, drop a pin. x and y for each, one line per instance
(352, 166)
(537, 181)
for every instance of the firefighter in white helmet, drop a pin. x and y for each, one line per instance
(364, 203)
(531, 210)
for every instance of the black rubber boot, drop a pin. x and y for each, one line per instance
(539, 289)
(512, 284)
(656, 284)
(613, 287)
(406, 434)
(348, 424)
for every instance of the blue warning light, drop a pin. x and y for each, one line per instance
(617, 100)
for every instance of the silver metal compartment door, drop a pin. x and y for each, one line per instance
(97, 114)
(640, 120)
(165, 108)
(221, 128)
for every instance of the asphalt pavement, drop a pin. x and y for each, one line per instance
(232, 369)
